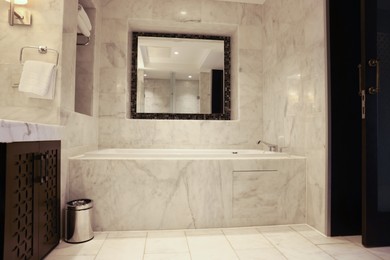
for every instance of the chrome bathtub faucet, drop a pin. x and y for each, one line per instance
(272, 147)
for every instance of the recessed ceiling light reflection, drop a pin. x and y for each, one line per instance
(145, 75)
(190, 77)
(183, 12)
(176, 53)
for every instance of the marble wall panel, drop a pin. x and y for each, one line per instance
(80, 132)
(294, 91)
(46, 30)
(175, 194)
(241, 21)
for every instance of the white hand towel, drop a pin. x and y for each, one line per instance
(38, 78)
(82, 27)
(85, 17)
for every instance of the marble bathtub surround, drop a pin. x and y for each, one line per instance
(165, 193)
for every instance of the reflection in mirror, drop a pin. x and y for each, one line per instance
(180, 76)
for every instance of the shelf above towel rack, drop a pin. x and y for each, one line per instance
(41, 49)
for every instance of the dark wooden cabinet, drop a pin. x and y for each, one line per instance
(29, 199)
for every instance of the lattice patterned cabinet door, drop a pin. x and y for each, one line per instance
(49, 202)
(19, 226)
(30, 199)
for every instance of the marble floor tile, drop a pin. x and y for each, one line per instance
(365, 256)
(127, 234)
(291, 242)
(70, 257)
(166, 242)
(316, 237)
(213, 255)
(341, 249)
(246, 238)
(293, 245)
(353, 239)
(89, 248)
(122, 248)
(171, 256)
(209, 244)
(382, 252)
(260, 254)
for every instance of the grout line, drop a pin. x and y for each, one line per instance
(312, 243)
(104, 241)
(273, 245)
(146, 238)
(188, 245)
(230, 243)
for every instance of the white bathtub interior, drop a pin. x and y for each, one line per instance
(180, 154)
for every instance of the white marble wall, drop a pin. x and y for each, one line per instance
(178, 194)
(242, 21)
(294, 91)
(85, 61)
(46, 30)
(80, 132)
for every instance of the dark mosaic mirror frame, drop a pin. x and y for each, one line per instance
(176, 116)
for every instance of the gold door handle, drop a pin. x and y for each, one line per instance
(375, 63)
(360, 80)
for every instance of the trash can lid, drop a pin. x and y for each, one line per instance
(79, 204)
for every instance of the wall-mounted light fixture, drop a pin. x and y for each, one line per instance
(18, 17)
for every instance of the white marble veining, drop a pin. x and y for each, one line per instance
(135, 194)
(241, 21)
(294, 91)
(16, 131)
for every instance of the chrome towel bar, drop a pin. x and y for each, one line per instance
(41, 49)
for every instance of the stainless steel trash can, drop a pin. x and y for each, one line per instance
(78, 221)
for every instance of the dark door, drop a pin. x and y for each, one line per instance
(217, 94)
(375, 65)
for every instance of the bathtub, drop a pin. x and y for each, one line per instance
(180, 154)
(149, 189)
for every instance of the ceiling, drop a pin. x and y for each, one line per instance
(159, 57)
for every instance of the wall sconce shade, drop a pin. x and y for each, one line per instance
(18, 17)
(18, 2)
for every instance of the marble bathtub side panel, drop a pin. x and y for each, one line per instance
(272, 189)
(128, 194)
(205, 194)
(132, 195)
(169, 194)
(252, 197)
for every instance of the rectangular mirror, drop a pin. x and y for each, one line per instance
(180, 76)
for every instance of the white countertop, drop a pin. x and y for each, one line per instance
(16, 131)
